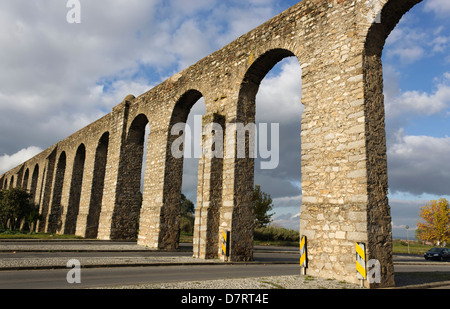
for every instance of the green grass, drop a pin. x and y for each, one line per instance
(282, 243)
(401, 247)
(6, 234)
(186, 237)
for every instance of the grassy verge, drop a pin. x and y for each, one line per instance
(186, 237)
(263, 237)
(6, 234)
(417, 248)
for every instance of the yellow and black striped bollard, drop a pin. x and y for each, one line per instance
(225, 245)
(303, 255)
(361, 262)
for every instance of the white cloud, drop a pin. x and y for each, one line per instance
(279, 96)
(69, 75)
(418, 102)
(440, 7)
(406, 44)
(106, 97)
(8, 162)
(288, 201)
(290, 221)
(419, 164)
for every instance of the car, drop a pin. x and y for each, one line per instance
(440, 254)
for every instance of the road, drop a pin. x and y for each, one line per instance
(270, 262)
(101, 277)
(278, 261)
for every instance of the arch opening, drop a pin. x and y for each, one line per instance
(415, 110)
(54, 221)
(184, 144)
(75, 191)
(98, 182)
(392, 175)
(46, 190)
(34, 182)
(275, 128)
(125, 220)
(25, 179)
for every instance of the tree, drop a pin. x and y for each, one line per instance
(32, 216)
(262, 204)
(187, 207)
(187, 214)
(435, 224)
(17, 204)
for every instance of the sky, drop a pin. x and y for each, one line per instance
(57, 77)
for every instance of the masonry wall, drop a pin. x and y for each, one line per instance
(89, 183)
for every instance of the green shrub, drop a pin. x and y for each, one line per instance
(187, 224)
(272, 233)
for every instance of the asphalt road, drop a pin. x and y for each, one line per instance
(101, 277)
(272, 262)
(280, 261)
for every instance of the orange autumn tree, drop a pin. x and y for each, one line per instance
(434, 222)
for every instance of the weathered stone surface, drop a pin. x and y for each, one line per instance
(89, 182)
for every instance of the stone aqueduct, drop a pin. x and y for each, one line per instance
(89, 183)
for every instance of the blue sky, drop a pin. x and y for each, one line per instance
(416, 62)
(57, 78)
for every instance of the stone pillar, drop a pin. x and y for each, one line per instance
(66, 190)
(119, 118)
(150, 225)
(236, 213)
(378, 210)
(53, 221)
(344, 179)
(85, 195)
(50, 166)
(209, 191)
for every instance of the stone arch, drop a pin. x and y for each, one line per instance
(170, 212)
(41, 189)
(25, 179)
(250, 86)
(160, 214)
(75, 191)
(391, 13)
(242, 222)
(125, 219)
(378, 232)
(46, 189)
(183, 106)
(54, 220)
(34, 181)
(253, 77)
(98, 183)
(11, 182)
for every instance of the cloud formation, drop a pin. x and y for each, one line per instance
(8, 162)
